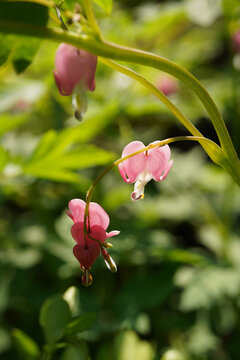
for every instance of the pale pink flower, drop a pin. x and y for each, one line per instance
(88, 245)
(141, 168)
(167, 85)
(74, 66)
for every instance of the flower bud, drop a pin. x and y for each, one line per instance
(109, 261)
(87, 278)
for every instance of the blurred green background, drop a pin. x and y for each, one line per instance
(176, 293)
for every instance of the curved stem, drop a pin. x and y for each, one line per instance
(104, 48)
(166, 101)
(117, 162)
(90, 15)
(98, 46)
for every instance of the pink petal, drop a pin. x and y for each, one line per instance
(87, 250)
(65, 92)
(97, 232)
(158, 161)
(112, 233)
(69, 214)
(166, 171)
(132, 167)
(77, 208)
(123, 173)
(74, 65)
(77, 232)
(86, 256)
(98, 216)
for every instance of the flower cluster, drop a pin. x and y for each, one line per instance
(75, 71)
(90, 243)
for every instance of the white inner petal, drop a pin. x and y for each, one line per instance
(139, 186)
(145, 176)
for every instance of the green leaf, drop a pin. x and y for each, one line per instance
(24, 12)
(5, 49)
(23, 53)
(45, 144)
(84, 157)
(133, 297)
(105, 5)
(81, 323)
(128, 346)
(78, 352)
(54, 317)
(3, 158)
(9, 122)
(181, 256)
(26, 346)
(5, 340)
(208, 286)
(22, 49)
(54, 174)
(54, 159)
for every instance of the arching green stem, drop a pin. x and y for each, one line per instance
(91, 18)
(151, 146)
(213, 154)
(98, 46)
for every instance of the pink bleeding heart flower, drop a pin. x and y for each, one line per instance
(141, 168)
(89, 245)
(72, 67)
(75, 73)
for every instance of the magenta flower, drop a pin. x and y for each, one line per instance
(88, 245)
(141, 168)
(74, 66)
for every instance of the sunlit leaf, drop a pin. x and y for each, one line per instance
(5, 340)
(54, 159)
(75, 353)
(22, 48)
(128, 346)
(10, 122)
(3, 158)
(54, 317)
(60, 175)
(208, 286)
(105, 5)
(26, 346)
(81, 323)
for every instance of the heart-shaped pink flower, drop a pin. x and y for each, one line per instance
(90, 243)
(74, 66)
(141, 168)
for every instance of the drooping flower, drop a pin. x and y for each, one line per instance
(141, 168)
(75, 73)
(91, 244)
